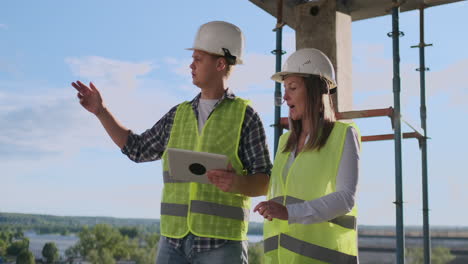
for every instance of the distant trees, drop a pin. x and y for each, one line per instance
(3, 248)
(50, 252)
(104, 244)
(16, 247)
(49, 224)
(25, 257)
(130, 232)
(439, 255)
(256, 253)
(13, 245)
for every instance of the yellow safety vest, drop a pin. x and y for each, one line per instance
(203, 209)
(311, 176)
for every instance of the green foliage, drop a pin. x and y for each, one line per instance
(25, 257)
(6, 236)
(18, 233)
(72, 252)
(256, 253)
(17, 247)
(130, 232)
(144, 255)
(105, 244)
(50, 252)
(3, 248)
(49, 224)
(102, 256)
(439, 255)
(152, 240)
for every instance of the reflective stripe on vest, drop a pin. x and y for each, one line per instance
(270, 244)
(346, 221)
(227, 211)
(174, 209)
(308, 250)
(208, 208)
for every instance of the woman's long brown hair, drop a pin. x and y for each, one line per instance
(320, 113)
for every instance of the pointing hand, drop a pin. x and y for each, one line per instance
(90, 98)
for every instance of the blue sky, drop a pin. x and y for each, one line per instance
(55, 158)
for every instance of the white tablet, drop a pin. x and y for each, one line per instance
(191, 166)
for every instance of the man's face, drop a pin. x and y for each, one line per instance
(203, 68)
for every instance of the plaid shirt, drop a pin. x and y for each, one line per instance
(253, 152)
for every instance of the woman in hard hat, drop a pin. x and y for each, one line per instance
(310, 208)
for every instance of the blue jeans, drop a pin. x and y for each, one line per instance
(234, 252)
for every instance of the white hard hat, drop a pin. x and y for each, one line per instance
(220, 38)
(307, 61)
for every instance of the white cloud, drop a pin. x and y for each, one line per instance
(452, 81)
(373, 74)
(3, 26)
(33, 125)
(127, 89)
(171, 60)
(255, 74)
(49, 122)
(118, 74)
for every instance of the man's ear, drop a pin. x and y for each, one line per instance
(221, 64)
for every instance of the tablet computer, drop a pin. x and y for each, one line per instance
(191, 166)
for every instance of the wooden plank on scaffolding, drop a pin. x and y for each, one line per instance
(389, 136)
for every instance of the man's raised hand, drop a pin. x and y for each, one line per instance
(89, 96)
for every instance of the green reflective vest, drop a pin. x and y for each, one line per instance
(311, 176)
(203, 209)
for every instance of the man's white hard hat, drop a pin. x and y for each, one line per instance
(307, 62)
(220, 38)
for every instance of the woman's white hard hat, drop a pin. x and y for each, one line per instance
(307, 62)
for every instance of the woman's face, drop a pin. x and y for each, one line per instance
(295, 96)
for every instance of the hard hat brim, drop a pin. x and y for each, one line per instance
(238, 61)
(279, 77)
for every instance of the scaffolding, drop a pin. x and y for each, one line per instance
(394, 113)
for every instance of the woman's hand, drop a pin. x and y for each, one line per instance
(271, 209)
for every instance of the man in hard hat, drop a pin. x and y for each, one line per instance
(202, 223)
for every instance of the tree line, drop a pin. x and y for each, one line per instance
(49, 224)
(103, 240)
(100, 244)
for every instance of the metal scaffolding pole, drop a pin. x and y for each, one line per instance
(278, 52)
(400, 233)
(423, 141)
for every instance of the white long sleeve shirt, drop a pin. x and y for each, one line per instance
(337, 203)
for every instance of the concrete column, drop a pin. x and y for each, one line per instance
(325, 25)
